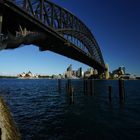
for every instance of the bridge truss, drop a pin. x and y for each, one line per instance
(64, 23)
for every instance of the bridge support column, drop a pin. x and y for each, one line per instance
(107, 71)
(1, 19)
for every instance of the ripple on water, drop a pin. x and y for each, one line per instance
(42, 112)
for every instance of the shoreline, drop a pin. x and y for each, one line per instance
(12, 77)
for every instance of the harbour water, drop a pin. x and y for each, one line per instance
(42, 110)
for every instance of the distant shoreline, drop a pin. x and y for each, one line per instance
(8, 77)
(16, 77)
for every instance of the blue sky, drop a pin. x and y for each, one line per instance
(115, 25)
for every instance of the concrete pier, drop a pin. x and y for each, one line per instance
(68, 85)
(8, 130)
(110, 93)
(70, 91)
(91, 87)
(121, 90)
(88, 87)
(84, 83)
(71, 94)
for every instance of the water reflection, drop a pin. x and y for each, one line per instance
(48, 109)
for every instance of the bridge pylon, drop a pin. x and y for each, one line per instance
(107, 71)
(1, 20)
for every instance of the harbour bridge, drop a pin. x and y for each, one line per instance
(50, 27)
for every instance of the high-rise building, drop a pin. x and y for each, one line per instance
(74, 73)
(69, 72)
(79, 72)
(69, 68)
(89, 72)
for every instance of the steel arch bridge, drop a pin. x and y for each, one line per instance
(50, 27)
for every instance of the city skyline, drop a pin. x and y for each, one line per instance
(115, 25)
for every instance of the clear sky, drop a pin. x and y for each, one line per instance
(115, 25)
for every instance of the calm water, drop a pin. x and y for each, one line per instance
(44, 113)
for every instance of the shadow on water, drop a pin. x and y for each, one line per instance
(73, 109)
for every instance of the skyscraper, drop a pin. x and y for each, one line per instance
(79, 72)
(69, 68)
(69, 72)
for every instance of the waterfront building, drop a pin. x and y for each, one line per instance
(119, 72)
(79, 73)
(69, 68)
(22, 74)
(69, 72)
(89, 72)
(57, 76)
(74, 73)
(122, 69)
(27, 75)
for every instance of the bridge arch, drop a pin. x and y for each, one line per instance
(58, 23)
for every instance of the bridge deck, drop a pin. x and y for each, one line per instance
(47, 39)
